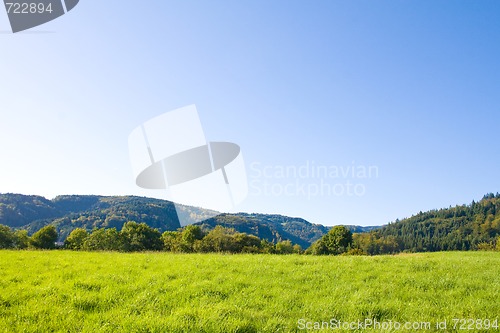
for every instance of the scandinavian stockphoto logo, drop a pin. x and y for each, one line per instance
(170, 152)
(25, 15)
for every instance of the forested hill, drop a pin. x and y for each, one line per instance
(273, 228)
(276, 228)
(466, 227)
(88, 212)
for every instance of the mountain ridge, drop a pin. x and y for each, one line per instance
(68, 212)
(463, 227)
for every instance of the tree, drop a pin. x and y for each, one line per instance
(284, 247)
(498, 244)
(140, 237)
(297, 249)
(76, 239)
(317, 248)
(44, 238)
(192, 233)
(245, 243)
(188, 237)
(267, 247)
(219, 239)
(103, 240)
(336, 241)
(21, 239)
(6, 237)
(171, 241)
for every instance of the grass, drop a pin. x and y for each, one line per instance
(64, 291)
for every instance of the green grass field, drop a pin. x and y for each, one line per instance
(62, 291)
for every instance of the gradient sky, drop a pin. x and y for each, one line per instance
(411, 87)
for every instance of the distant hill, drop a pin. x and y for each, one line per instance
(360, 229)
(68, 212)
(88, 211)
(273, 228)
(18, 210)
(456, 228)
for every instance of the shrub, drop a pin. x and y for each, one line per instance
(76, 239)
(44, 238)
(484, 246)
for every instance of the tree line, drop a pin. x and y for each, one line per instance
(472, 227)
(137, 237)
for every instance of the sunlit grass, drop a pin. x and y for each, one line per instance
(63, 291)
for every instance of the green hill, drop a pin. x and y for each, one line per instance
(89, 211)
(465, 227)
(273, 228)
(18, 210)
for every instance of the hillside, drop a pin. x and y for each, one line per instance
(18, 210)
(273, 228)
(78, 211)
(464, 227)
(357, 229)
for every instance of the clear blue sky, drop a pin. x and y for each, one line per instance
(412, 88)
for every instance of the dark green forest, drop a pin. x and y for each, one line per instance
(467, 227)
(105, 223)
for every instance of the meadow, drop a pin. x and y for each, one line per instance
(69, 291)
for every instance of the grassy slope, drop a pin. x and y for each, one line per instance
(161, 292)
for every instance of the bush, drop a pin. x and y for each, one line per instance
(355, 252)
(267, 247)
(336, 241)
(6, 237)
(297, 249)
(484, 246)
(219, 239)
(103, 240)
(171, 241)
(140, 237)
(21, 239)
(284, 247)
(44, 238)
(188, 237)
(76, 239)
